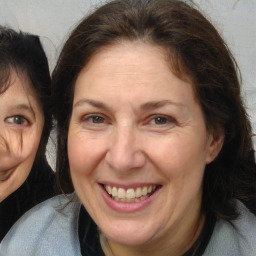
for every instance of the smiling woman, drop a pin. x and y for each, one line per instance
(24, 117)
(152, 137)
(155, 144)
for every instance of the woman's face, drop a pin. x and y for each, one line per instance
(21, 125)
(138, 146)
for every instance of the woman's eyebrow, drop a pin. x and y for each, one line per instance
(158, 104)
(94, 103)
(145, 106)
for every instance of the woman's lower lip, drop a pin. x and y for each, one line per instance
(127, 207)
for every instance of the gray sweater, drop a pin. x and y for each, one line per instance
(51, 229)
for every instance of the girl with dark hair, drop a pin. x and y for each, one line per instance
(153, 138)
(26, 179)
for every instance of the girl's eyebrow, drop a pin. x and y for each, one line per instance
(24, 107)
(21, 106)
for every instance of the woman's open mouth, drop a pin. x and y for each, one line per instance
(130, 195)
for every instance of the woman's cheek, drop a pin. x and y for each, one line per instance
(82, 152)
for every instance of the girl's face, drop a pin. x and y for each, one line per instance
(21, 125)
(138, 147)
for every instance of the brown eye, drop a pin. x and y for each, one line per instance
(18, 120)
(93, 119)
(161, 120)
(97, 119)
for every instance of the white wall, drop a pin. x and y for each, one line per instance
(53, 20)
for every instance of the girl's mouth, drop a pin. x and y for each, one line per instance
(130, 195)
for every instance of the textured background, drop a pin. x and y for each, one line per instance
(53, 21)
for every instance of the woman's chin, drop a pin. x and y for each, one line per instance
(131, 236)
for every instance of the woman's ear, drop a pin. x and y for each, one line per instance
(215, 142)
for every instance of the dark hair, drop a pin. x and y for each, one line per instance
(196, 50)
(24, 54)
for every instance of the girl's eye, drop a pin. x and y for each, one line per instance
(18, 120)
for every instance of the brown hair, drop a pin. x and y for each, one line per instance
(195, 49)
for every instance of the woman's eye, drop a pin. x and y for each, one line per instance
(95, 119)
(18, 120)
(160, 120)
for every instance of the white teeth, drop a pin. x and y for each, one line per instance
(138, 192)
(144, 191)
(121, 193)
(109, 189)
(129, 195)
(114, 191)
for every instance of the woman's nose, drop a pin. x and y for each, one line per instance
(125, 153)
